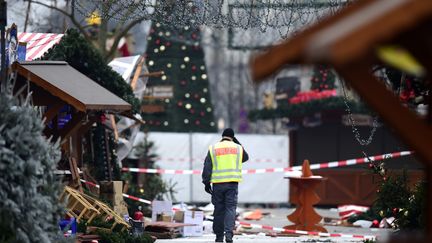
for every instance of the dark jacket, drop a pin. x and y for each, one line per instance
(208, 167)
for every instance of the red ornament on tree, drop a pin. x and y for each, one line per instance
(192, 111)
(183, 82)
(194, 68)
(180, 104)
(395, 211)
(194, 36)
(375, 224)
(168, 43)
(197, 122)
(157, 42)
(202, 113)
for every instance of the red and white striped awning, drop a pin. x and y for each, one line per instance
(38, 43)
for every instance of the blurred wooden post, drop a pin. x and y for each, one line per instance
(305, 217)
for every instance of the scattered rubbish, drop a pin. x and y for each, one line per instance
(165, 230)
(162, 211)
(345, 211)
(363, 223)
(386, 222)
(254, 215)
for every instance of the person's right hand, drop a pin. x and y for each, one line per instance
(208, 188)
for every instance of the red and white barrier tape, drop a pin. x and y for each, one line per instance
(257, 160)
(90, 183)
(124, 194)
(258, 226)
(274, 170)
(137, 199)
(300, 232)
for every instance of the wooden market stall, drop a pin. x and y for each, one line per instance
(54, 86)
(348, 41)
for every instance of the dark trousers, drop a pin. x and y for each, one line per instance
(224, 199)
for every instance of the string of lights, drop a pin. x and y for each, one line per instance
(259, 15)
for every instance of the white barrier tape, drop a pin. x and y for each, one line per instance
(332, 164)
(301, 232)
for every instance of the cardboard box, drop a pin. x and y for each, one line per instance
(179, 216)
(161, 208)
(193, 217)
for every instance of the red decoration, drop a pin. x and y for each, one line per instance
(395, 211)
(180, 103)
(192, 111)
(152, 30)
(375, 224)
(196, 96)
(194, 68)
(157, 42)
(202, 113)
(312, 95)
(197, 122)
(103, 118)
(194, 36)
(168, 43)
(183, 82)
(371, 166)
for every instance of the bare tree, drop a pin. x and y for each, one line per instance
(98, 38)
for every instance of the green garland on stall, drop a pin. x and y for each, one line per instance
(308, 108)
(81, 55)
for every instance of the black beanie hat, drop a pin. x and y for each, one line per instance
(228, 133)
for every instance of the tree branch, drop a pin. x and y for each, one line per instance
(72, 18)
(120, 34)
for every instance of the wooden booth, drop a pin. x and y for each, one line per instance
(348, 41)
(58, 88)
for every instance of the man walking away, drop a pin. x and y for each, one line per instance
(223, 168)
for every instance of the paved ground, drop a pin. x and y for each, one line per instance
(277, 218)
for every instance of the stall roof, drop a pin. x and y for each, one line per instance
(71, 86)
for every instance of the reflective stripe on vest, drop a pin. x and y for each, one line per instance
(223, 155)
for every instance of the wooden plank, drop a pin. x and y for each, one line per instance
(114, 126)
(53, 111)
(72, 126)
(389, 108)
(379, 22)
(291, 50)
(137, 72)
(75, 174)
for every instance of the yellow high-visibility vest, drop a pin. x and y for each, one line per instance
(226, 159)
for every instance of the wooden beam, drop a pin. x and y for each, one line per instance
(87, 125)
(137, 72)
(114, 126)
(53, 111)
(368, 27)
(408, 125)
(72, 126)
(291, 50)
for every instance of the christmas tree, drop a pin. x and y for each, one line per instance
(323, 78)
(179, 100)
(29, 190)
